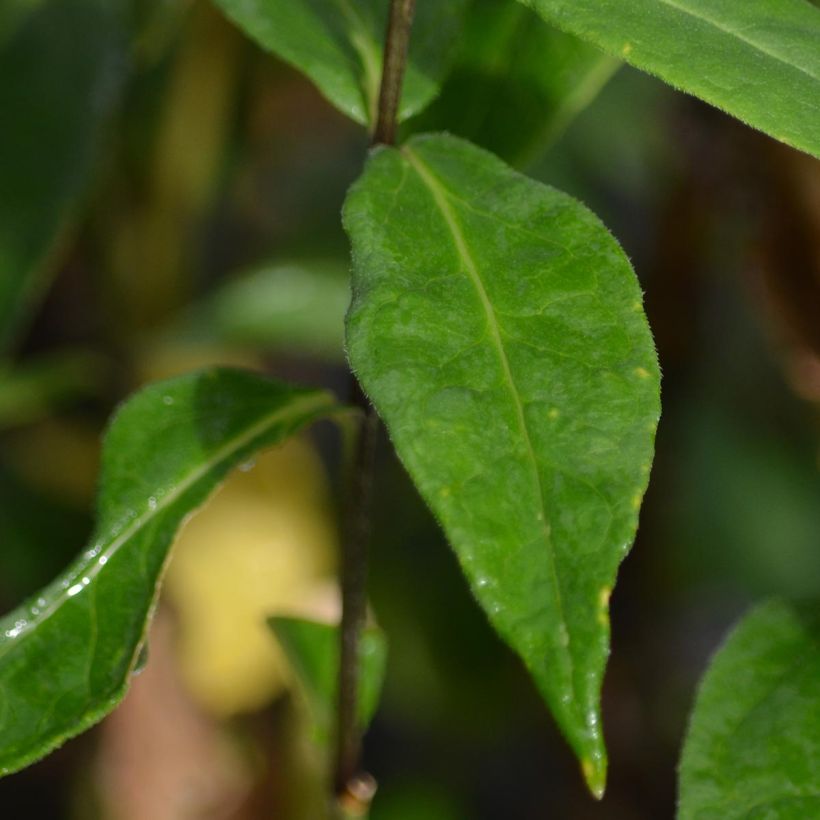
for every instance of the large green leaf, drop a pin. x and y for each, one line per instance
(313, 651)
(338, 44)
(753, 747)
(498, 328)
(757, 59)
(516, 83)
(58, 75)
(67, 654)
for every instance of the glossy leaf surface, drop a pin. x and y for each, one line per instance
(338, 44)
(516, 83)
(313, 651)
(753, 746)
(67, 654)
(58, 76)
(759, 60)
(498, 328)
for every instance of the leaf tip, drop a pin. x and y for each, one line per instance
(594, 771)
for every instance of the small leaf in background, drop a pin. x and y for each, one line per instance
(313, 651)
(59, 74)
(67, 654)
(501, 335)
(757, 60)
(753, 746)
(338, 45)
(516, 83)
(292, 308)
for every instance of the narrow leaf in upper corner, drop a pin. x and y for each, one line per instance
(753, 746)
(67, 654)
(313, 651)
(498, 328)
(59, 73)
(759, 60)
(516, 83)
(338, 44)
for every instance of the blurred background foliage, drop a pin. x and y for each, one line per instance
(170, 196)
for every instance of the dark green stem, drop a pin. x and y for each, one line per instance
(347, 777)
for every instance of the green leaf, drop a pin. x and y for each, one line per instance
(516, 83)
(313, 651)
(498, 328)
(753, 746)
(759, 60)
(59, 75)
(338, 44)
(297, 307)
(67, 654)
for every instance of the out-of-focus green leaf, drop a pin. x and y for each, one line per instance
(59, 75)
(12, 14)
(755, 492)
(313, 651)
(753, 746)
(338, 44)
(33, 389)
(295, 307)
(516, 83)
(38, 536)
(499, 330)
(756, 59)
(67, 654)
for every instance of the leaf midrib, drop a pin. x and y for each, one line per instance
(755, 45)
(296, 407)
(439, 193)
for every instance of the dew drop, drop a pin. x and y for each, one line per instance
(75, 590)
(152, 503)
(103, 560)
(247, 466)
(168, 400)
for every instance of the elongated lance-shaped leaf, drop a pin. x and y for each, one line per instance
(59, 74)
(313, 651)
(67, 654)
(338, 44)
(516, 83)
(753, 746)
(759, 60)
(498, 328)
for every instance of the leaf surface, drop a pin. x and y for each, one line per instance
(499, 330)
(516, 84)
(338, 44)
(753, 745)
(59, 74)
(313, 651)
(67, 654)
(759, 60)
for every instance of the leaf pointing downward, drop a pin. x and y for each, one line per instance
(66, 656)
(498, 328)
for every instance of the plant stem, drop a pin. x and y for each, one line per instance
(354, 593)
(347, 777)
(396, 43)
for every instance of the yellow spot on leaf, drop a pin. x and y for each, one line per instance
(554, 413)
(641, 372)
(626, 49)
